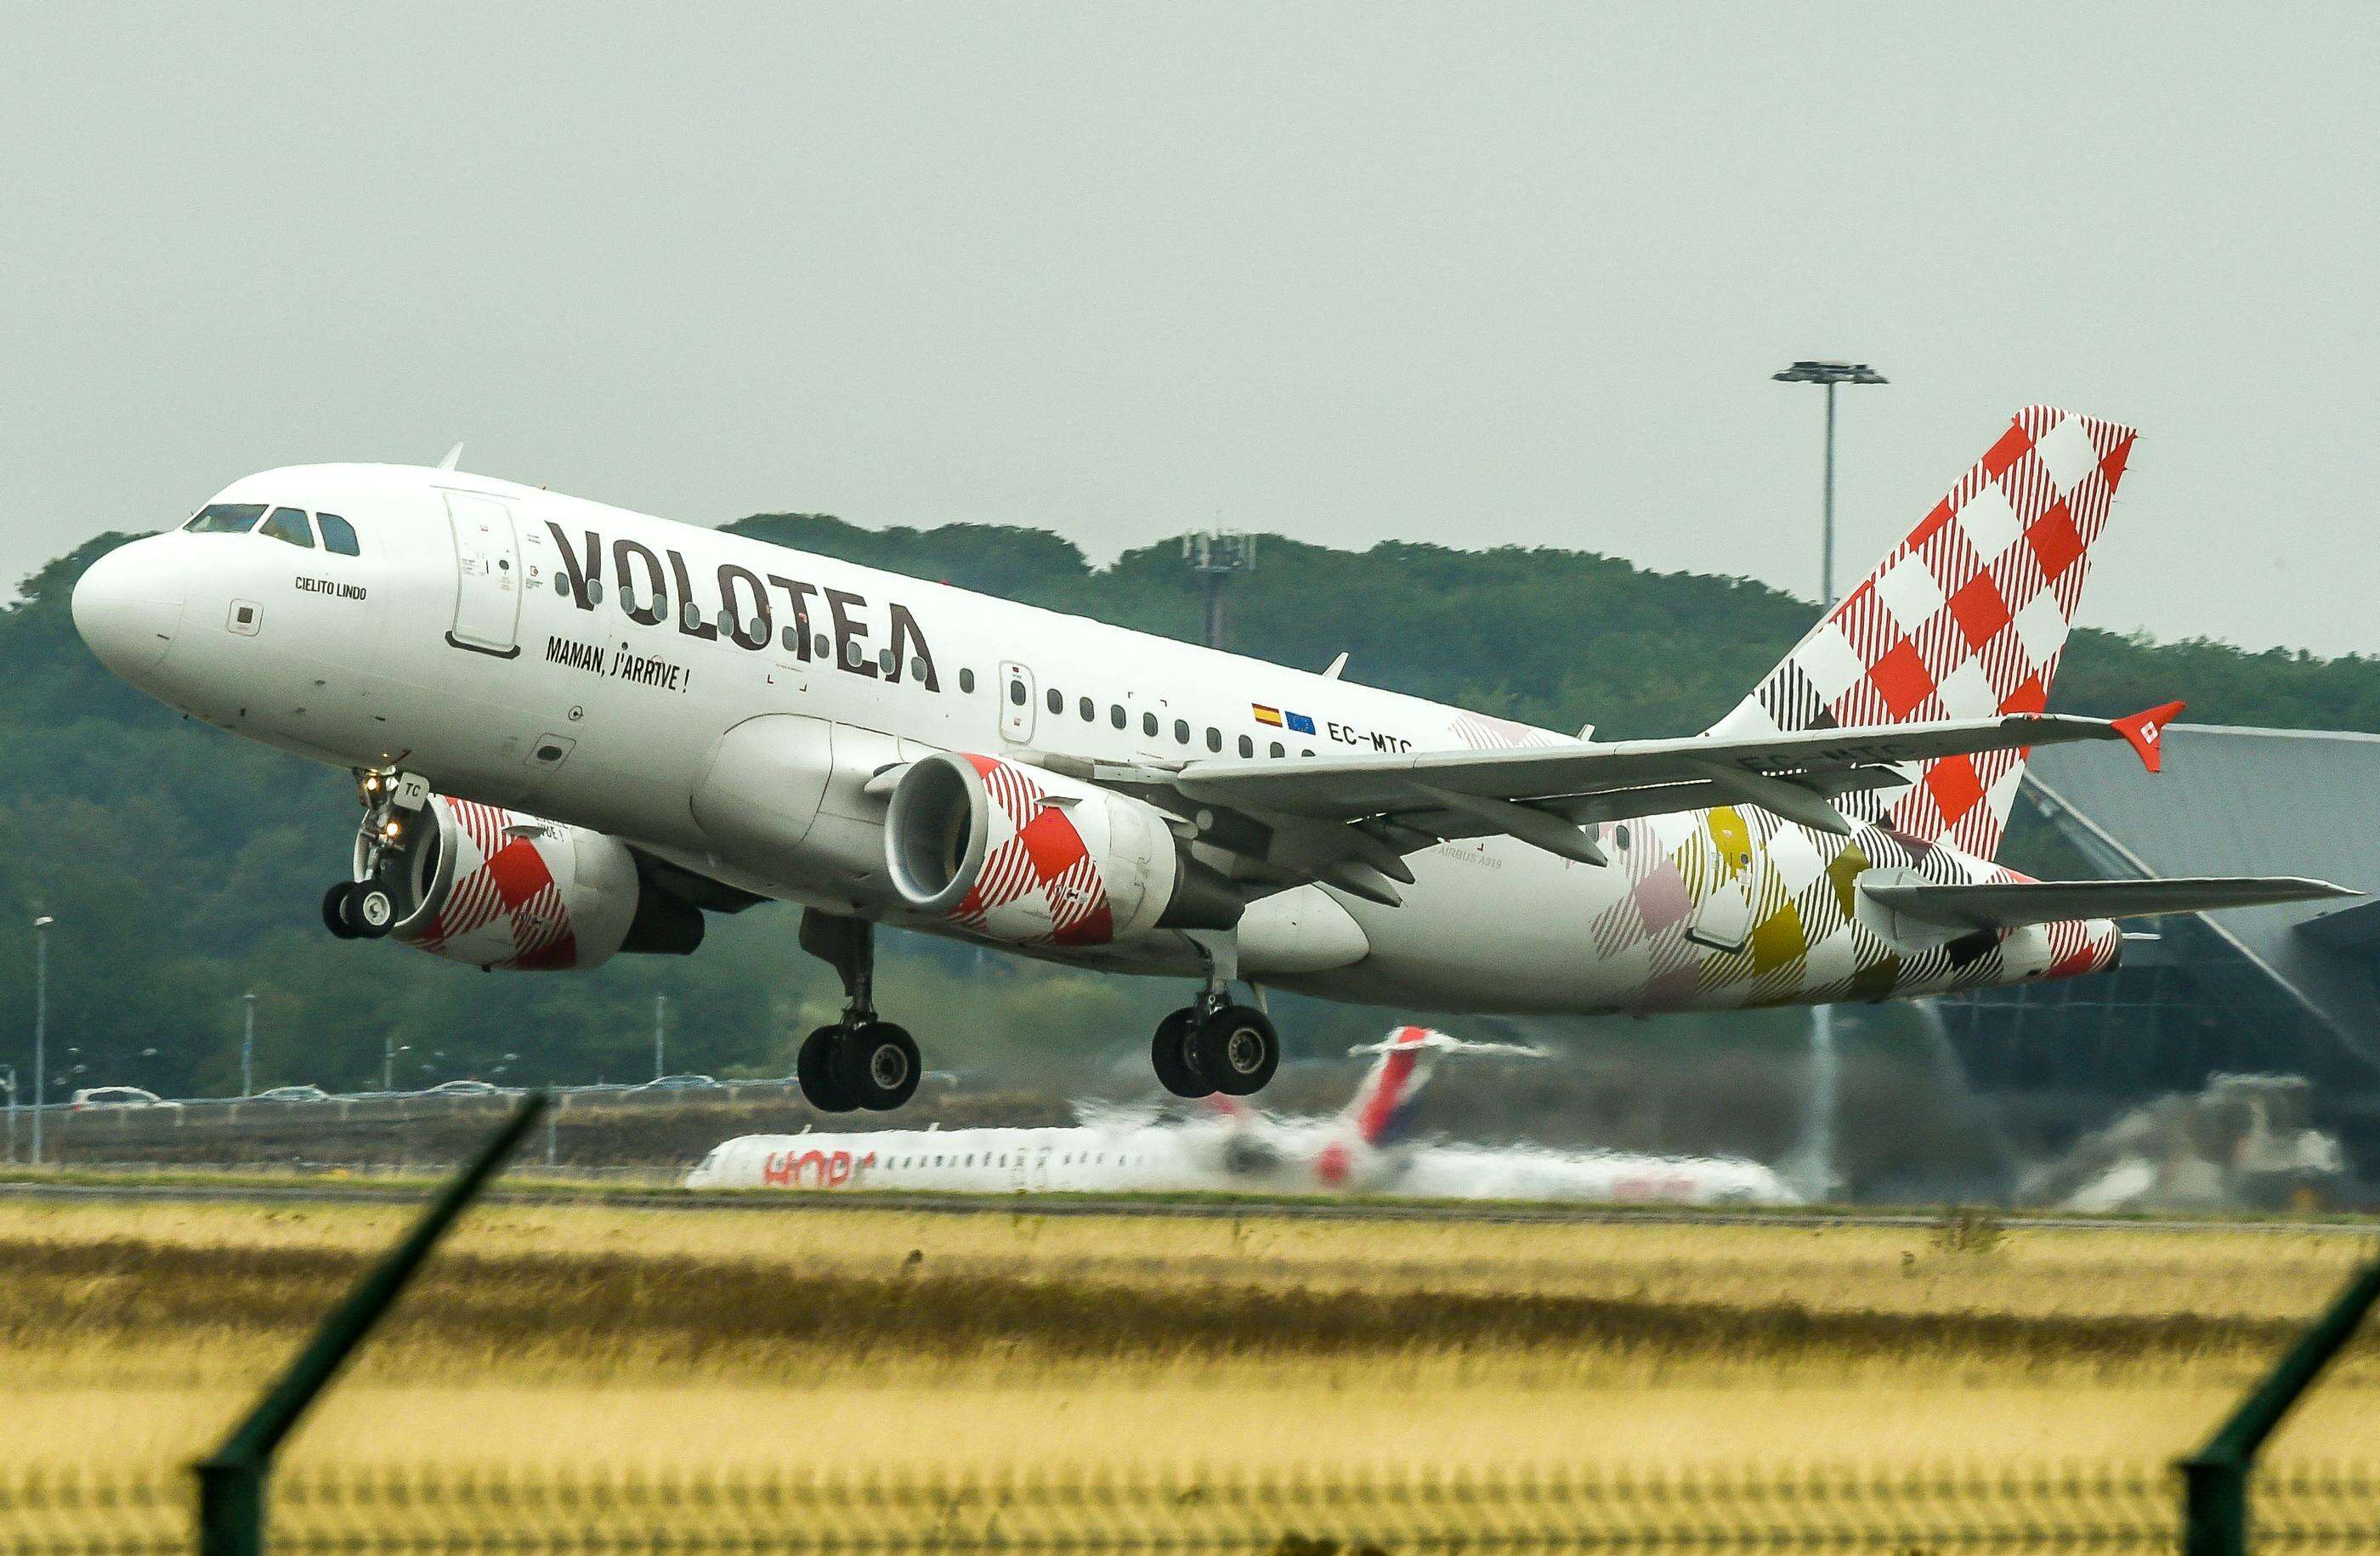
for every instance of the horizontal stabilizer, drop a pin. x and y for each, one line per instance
(2014, 904)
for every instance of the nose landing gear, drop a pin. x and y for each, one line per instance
(858, 1062)
(1215, 1045)
(358, 910)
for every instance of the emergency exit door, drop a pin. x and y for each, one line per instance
(487, 575)
(1017, 703)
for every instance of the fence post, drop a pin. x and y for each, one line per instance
(231, 1479)
(2215, 1479)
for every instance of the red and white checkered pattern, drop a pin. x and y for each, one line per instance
(1040, 882)
(504, 908)
(1965, 618)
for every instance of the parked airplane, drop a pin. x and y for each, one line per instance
(576, 730)
(1232, 1147)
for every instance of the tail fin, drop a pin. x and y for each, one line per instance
(1965, 618)
(1383, 1103)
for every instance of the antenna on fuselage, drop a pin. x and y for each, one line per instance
(452, 455)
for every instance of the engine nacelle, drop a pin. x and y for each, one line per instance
(1030, 857)
(494, 887)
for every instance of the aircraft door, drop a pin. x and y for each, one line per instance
(1017, 701)
(487, 586)
(1722, 919)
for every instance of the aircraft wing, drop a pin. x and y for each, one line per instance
(1544, 795)
(2013, 904)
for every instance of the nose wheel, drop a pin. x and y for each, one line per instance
(358, 910)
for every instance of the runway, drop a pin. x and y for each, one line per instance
(1210, 1208)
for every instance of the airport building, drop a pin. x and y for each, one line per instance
(2291, 990)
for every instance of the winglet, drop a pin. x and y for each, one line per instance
(2144, 731)
(452, 455)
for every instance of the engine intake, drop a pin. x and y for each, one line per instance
(1030, 857)
(494, 887)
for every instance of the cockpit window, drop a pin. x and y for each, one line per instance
(337, 535)
(226, 518)
(289, 523)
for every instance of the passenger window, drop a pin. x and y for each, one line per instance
(1057, 700)
(885, 661)
(338, 535)
(1088, 710)
(1277, 751)
(226, 518)
(289, 523)
(1016, 692)
(966, 679)
(1148, 725)
(818, 649)
(1115, 716)
(1214, 738)
(916, 669)
(1181, 731)
(1247, 746)
(791, 638)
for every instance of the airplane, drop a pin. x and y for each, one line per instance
(576, 731)
(1363, 1150)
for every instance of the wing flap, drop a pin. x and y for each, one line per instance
(2014, 904)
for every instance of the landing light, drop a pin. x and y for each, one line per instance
(389, 831)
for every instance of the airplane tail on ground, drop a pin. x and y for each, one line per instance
(1965, 618)
(1382, 1106)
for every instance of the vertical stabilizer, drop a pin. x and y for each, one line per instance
(1965, 618)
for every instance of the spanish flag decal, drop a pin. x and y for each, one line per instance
(1265, 715)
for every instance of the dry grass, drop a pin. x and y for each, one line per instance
(571, 1334)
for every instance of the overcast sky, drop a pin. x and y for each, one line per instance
(1461, 273)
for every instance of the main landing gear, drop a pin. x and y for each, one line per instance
(859, 1062)
(1214, 1045)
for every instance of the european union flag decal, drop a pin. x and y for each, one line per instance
(1300, 723)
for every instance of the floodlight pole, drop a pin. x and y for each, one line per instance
(41, 1027)
(248, 1049)
(1829, 374)
(1820, 1146)
(660, 1010)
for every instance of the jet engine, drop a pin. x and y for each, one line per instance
(494, 887)
(1031, 857)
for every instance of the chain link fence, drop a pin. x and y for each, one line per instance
(523, 1512)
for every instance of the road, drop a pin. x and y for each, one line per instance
(1206, 1209)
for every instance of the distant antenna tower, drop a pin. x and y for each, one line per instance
(1215, 557)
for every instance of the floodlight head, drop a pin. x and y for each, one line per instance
(1830, 372)
(43, 922)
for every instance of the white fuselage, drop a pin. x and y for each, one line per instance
(525, 672)
(1269, 1156)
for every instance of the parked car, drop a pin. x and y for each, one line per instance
(678, 1083)
(463, 1088)
(294, 1094)
(117, 1096)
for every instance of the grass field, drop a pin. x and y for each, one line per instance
(132, 1331)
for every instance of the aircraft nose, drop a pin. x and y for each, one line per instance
(128, 606)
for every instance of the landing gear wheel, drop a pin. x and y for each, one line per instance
(814, 1067)
(1235, 1049)
(369, 910)
(334, 912)
(1169, 1053)
(875, 1065)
